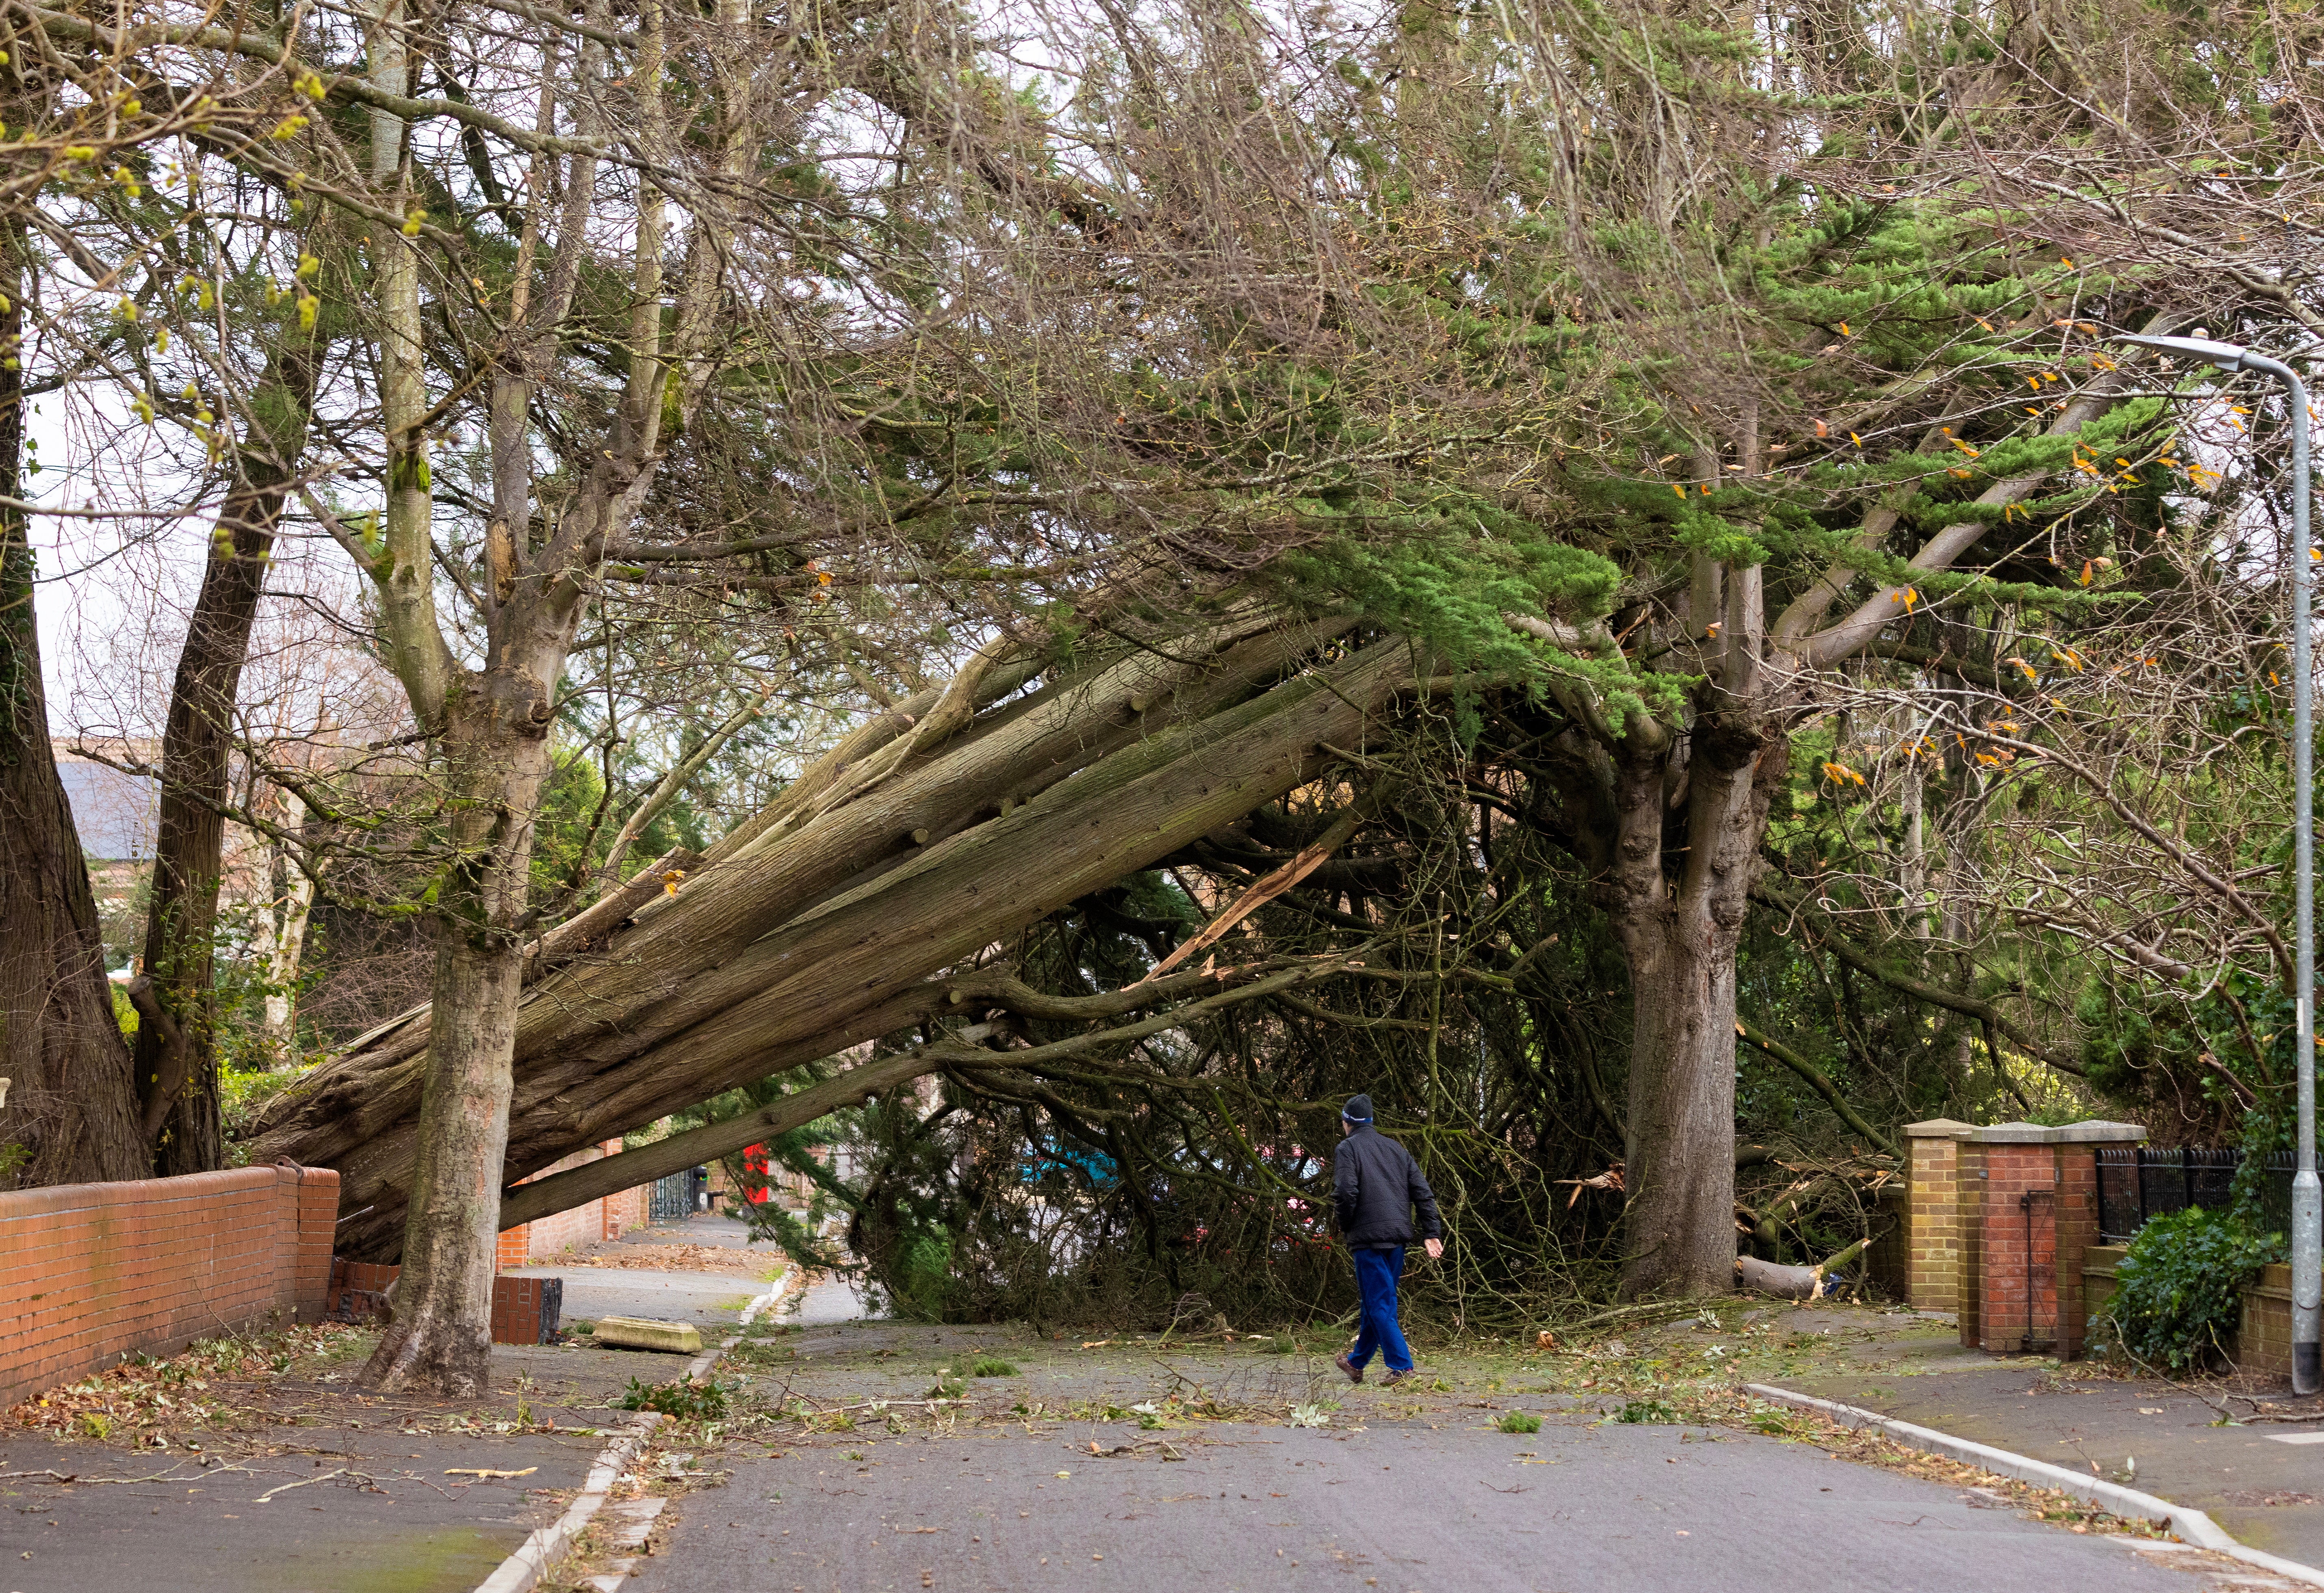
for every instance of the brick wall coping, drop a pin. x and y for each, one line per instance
(1935, 1128)
(59, 1199)
(2090, 1133)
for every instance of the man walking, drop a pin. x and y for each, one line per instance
(1374, 1185)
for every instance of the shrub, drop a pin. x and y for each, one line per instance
(682, 1402)
(2178, 1291)
(1520, 1421)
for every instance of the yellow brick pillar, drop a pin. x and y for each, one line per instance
(1933, 1215)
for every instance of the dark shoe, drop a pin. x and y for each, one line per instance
(1393, 1378)
(1355, 1373)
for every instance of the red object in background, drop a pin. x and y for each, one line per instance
(754, 1162)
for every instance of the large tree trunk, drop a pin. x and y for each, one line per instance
(176, 1050)
(70, 1105)
(497, 747)
(1680, 1168)
(837, 918)
(1690, 807)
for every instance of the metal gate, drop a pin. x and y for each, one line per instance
(673, 1197)
(2040, 1209)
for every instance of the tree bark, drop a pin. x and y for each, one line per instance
(70, 1114)
(177, 1061)
(497, 745)
(1691, 805)
(292, 914)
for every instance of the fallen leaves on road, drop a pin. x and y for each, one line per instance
(680, 1257)
(143, 1392)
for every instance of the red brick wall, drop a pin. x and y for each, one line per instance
(546, 1237)
(90, 1272)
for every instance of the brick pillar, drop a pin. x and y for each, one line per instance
(1933, 1215)
(2029, 1208)
(1968, 1207)
(2017, 1292)
(318, 1218)
(510, 1249)
(2077, 1146)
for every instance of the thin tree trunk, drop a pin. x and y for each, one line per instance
(296, 906)
(70, 1114)
(176, 1049)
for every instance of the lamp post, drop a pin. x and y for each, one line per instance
(2307, 1191)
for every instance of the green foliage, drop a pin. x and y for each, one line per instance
(1639, 1412)
(568, 838)
(2178, 1291)
(680, 1401)
(244, 1092)
(952, 1378)
(1520, 1422)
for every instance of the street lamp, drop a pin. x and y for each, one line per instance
(2307, 1191)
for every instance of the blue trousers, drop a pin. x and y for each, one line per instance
(1376, 1275)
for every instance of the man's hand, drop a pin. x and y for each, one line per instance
(1435, 1248)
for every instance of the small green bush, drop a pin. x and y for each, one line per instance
(1281, 1344)
(2178, 1290)
(1520, 1421)
(991, 1365)
(682, 1402)
(1646, 1410)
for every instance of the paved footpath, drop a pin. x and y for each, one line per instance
(2262, 1481)
(378, 1507)
(1416, 1495)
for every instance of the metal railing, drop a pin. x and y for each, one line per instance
(2139, 1182)
(675, 1196)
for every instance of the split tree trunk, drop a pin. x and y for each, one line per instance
(1691, 806)
(835, 919)
(70, 1115)
(176, 1049)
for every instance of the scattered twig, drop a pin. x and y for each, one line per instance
(306, 1482)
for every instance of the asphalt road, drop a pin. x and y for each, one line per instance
(1411, 1508)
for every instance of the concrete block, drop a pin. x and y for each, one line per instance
(636, 1332)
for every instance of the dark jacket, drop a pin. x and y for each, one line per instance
(1374, 1185)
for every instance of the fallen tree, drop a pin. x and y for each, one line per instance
(858, 905)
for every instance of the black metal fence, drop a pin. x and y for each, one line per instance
(677, 1195)
(2137, 1182)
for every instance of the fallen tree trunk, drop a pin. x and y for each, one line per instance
(852, 908)
(1797, 1282)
